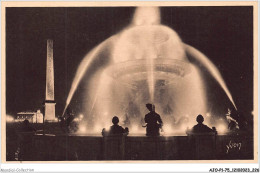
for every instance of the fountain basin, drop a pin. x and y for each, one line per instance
(138, 70)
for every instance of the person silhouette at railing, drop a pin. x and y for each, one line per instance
(26, 127)
(200, 127)
(67, 122)
(153, 121)
(115, 129)
(201, 142)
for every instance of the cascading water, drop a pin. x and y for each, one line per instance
(146, 63)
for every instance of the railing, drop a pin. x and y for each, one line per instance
(192, 147)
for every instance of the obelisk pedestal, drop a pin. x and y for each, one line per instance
(49, 95)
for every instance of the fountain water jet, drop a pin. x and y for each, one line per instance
(146, 16)
(196, 54)
(148, 63)
(87, 60)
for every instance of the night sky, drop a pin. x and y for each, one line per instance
(224, 34)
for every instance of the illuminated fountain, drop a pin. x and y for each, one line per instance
(146, 62)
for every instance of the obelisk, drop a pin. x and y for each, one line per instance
(49, 95)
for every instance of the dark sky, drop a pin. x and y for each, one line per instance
(224, 34)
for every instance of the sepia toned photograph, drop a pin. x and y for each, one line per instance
(129, 83)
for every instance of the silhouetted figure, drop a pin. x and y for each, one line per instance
(201, 141)
(153, 120)
(115, 129)
(26, 127)
(200, 127)
(214, 130)
(232, 123)
(67, 123)
(70, 117)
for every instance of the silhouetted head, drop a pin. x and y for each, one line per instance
(115, 120)
(200, 119)
(150, 107)
(26, 122)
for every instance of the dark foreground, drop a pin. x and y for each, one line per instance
(81, 147)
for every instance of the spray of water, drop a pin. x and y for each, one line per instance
(87, 60)
(150, 77)
(192, 52)
(145, 39)
(146, 16)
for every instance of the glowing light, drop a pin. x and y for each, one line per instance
(82, 129)
(9, 118)
(184, 128)
(134, 129)
(208, 114)
(107, 126)
(81, 116)
(167, 128)
(221, 128)
(98, 129)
